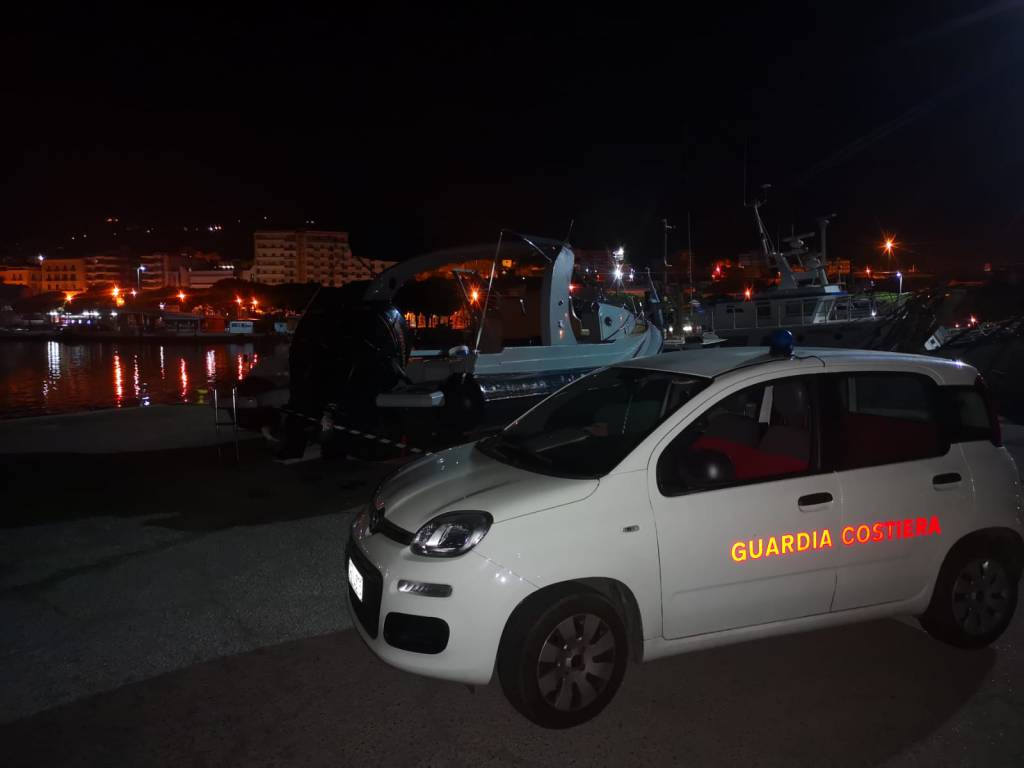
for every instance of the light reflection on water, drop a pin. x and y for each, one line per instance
(211, 364)
(184, 381)
(52, 377)
(118, 381)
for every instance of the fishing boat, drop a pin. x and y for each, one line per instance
(805, 301)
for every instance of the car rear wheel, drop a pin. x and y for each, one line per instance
(562, 660)
(974, 599)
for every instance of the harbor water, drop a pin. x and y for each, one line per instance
(44, 377)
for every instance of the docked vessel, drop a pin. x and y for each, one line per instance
(461, 334)
(817, 311)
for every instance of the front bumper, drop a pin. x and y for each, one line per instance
(483, 597)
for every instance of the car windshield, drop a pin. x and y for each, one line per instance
(587, 428)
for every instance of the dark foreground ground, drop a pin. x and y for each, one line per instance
(175, 609)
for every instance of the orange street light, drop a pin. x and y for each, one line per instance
(116, 292)
(474, 295)
(238, 300)
(68, 296)
(181, 295)
(134, 293)
(887, 246)
(747, 294)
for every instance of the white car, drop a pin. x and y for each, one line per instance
(690, 500)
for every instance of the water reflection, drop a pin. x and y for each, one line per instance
(47, 377)
(53, 359)
(118, 384)
(184, 381)
(211, 365)
(53, 351)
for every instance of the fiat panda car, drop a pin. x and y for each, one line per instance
(691, 500)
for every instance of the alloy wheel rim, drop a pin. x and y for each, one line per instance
(576, 662)
(981, 596)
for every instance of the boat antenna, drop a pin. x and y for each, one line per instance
(664, 252)
(689, 256)
(745, 173)
(487, 298)
(569, 233)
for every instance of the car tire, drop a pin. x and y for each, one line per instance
(561, 660)
(974, 598)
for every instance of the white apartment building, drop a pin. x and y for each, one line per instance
(308, 256)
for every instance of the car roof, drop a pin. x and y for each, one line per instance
(712, 363)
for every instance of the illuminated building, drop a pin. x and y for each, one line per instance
(109, 269)
(308, 256)
(62, 274)
(28, 276)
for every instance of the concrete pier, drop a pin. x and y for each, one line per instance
(118, 430)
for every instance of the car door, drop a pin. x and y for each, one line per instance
(904, 485)
(745, 518)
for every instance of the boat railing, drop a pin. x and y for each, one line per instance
(793, 313)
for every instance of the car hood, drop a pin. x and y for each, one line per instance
(463, 478)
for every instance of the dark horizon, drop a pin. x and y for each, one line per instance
(426, 129)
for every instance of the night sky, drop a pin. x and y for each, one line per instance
(419, 127)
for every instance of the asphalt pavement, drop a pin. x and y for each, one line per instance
(176, 608)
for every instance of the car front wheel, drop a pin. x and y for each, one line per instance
(562, 660)
(974, 599)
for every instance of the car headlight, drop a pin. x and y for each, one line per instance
(451, 534)
(360, 523)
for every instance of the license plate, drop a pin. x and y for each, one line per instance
(355, 580)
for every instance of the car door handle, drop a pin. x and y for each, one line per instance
(947, 479)
(813, 499)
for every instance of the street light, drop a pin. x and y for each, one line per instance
(900, 276)
(181, 295)
(887, 246)
(138, 275)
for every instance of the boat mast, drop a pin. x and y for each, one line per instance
(762, 231)
(689, 259)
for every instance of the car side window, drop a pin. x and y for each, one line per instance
(882, 418)
(969, 416)
(760, 433)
